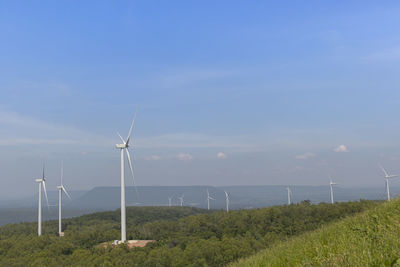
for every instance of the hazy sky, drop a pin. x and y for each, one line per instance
(230, 92)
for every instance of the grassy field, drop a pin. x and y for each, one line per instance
(371, 238)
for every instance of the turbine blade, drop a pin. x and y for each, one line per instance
(131, 168)
(43, 172)
(62, 172)
(384, 171)
(45, 194)
(122, 139)
(65, 191)
(130, 130)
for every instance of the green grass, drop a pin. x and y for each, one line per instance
(371, 238)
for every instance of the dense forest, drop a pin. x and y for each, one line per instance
(185, 236)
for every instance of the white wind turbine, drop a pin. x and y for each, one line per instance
(181, 199)
(122, 147)
(289, 195)
(387, 177)
(208, 200)
(42, 183)
(227, 201)
(169, 201)
(61, 189)
(331, 184)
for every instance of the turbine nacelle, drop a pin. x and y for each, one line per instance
(121, 146)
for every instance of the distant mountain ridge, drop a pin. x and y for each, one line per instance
(105, 198)
(241, 197)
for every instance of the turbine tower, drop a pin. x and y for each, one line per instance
(169, 201)
(42, 183)
(387, 177)
(208, 200)
(289, 195)
(181, 199)
(122, 147)
(61, 189)
(227, 201)
(331, 184)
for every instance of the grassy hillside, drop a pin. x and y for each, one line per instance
(211, 239)
(371, 238)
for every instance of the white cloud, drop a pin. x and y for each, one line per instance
(24, 130)
(341, 148)
(194, 140)
(390, 54)
(183, 78)
(184, 156)
(221, 155)
(152, 157)
(305, 155)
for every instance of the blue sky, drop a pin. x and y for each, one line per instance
(273, 88)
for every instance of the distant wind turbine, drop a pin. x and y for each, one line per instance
(169, 201)
(181, 199)
(208, 200)
(331, 184)
(122, 147)
(289, 195)
(227, 201)
(42, 183)
(387, 177)
(61, 189)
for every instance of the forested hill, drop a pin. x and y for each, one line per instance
(183, 239)
(368, 239)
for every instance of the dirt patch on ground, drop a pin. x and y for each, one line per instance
(129, 243)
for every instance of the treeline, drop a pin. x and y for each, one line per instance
(211, 239)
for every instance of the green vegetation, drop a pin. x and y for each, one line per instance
(368, 239)
(211, 239)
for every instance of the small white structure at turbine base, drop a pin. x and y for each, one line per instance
(387, 177)
(42, 183)
(124, 148)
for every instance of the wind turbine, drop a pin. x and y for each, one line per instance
(122, 147)
(42, 183)
(289, 195)
(181, 199)
(331, 184)
(387, 177)
(169, 201)
(61, 189)
(208, 200)
(227, 201)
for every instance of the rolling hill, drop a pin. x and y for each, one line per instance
(367, 239)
